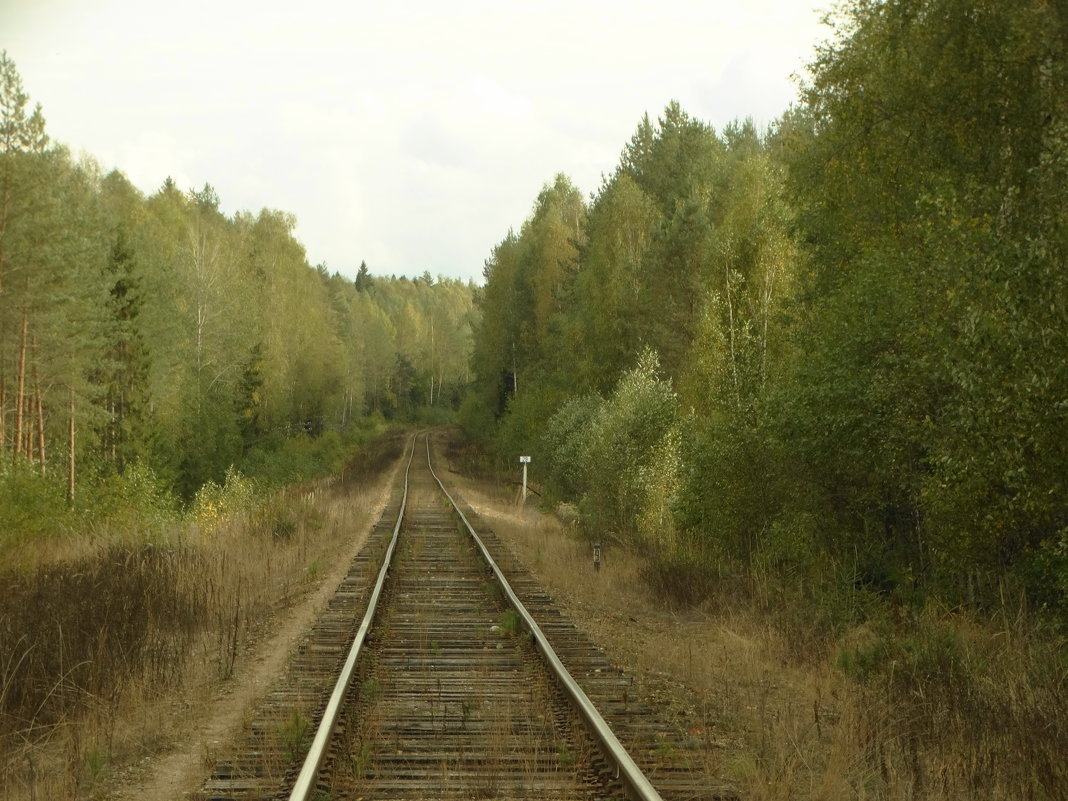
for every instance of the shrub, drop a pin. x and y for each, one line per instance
(135, 502)
(30, 504)
(565, 441)
(685, 575)
(518, 433)
(297, 459)
(927, 660)
(214, 504)
(630, 460)
(476, 418)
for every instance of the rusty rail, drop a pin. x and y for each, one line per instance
(634, 781)
(305, 783)
(627, 773)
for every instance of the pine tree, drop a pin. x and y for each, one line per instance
(363, 278)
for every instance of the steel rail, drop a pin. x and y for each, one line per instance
(305, 782)
(635, 782)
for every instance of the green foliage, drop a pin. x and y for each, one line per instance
(933, 653)
(565, 442)
(511, 624)
(369, 691)
(136, 500)
(621, 455)
(495, 359)
(294, 735)
(673, 160)
(548, 256)
(860, 318)
(925, 405)
(18, 132)
(248, 400)
(528, 409)
(214, 503)
(31, 505)
(124, 369)
(278, 461)
(631, 456)
(476, 417)
(179, 339)
(606, 297)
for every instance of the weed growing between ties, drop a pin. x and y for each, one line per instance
(510, 624)
(103, 651)
(294, 736)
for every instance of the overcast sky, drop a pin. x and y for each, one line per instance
(411, 135)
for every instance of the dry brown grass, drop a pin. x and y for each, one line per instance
(781, 717)
(107, 647)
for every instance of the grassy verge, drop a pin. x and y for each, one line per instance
(101, 635)
(811, 689)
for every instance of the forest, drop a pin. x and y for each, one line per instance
(817, 372)
(835, 346)
(192, 419)
(150, 343)
(817, 375)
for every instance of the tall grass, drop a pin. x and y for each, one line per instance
(70, 631)
(99, 629)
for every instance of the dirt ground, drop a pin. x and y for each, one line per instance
(209, 715)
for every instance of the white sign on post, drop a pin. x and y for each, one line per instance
(524, 460)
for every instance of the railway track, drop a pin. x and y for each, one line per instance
(448, 687)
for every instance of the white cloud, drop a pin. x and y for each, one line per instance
(411, 135)
(150, 157)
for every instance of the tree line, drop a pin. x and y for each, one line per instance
(156, 331)
(837, 346)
